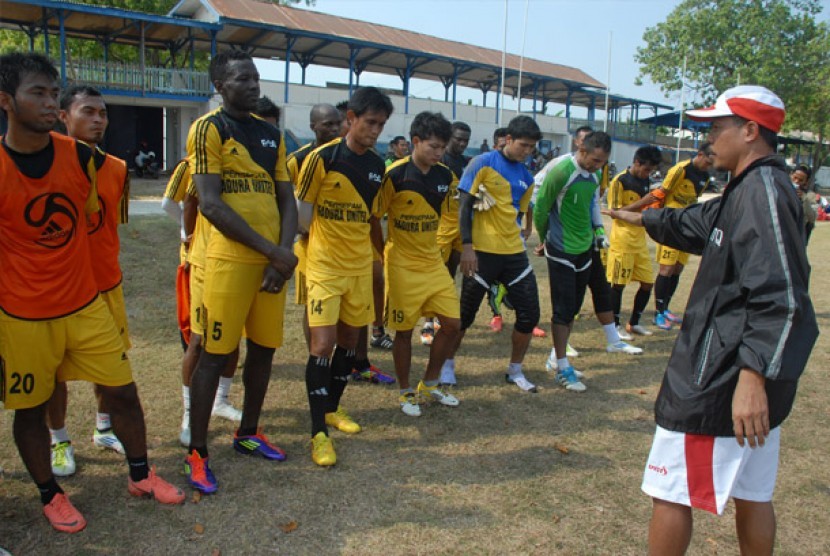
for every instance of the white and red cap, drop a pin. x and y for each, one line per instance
(750, 102)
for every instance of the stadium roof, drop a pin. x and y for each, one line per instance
(114, 25)
(269, 30)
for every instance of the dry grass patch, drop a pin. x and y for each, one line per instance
(506, 472)
(146, 188)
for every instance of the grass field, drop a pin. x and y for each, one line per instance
(504, 473)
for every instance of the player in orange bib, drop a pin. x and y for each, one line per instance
(54, 325)
(84, 114)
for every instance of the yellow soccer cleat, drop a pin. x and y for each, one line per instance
(322, 450)
(342, 421)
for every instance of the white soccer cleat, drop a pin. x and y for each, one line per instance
(225, 410)
(638, 329)
(107, 441)
(435, 393)
(409, 404)
(523, 383)
(622, 347)
(63, 459)
(624, 336)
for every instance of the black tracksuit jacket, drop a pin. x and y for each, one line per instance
(749, 306)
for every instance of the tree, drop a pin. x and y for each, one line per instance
(774, 43)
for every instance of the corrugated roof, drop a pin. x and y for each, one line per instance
(266, 13)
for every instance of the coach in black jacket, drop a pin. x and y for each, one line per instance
(746, 335)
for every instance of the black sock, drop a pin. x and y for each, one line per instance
(201, 450)
(361, 364)
(675, 279)
(616, 302)
(640, 302)
(317, 380)
(49, 490)
(661, 292)
(378, 331)
(341, 367)
(246, 432)
(139, 468)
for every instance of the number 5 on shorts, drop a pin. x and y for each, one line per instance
(217, 331)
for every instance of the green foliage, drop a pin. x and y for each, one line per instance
(774, 43)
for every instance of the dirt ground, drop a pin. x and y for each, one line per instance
(505, 473)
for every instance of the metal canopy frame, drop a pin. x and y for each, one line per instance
(306, 36)
(315, 38)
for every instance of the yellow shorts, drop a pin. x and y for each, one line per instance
(410, 294)
(197, 288)
(300, 288)
(333, 298)
(114, 299)
(669, 256)
(36, 353)
(624, 267)
(448, 248)
(182, 254)
(232, 303)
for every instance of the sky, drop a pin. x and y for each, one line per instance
(571, 32)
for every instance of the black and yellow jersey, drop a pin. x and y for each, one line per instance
(179, 182)
(343, 186)
(249, 155)
(448, 228)
(624, 190)
(683, 185)
(414, 201)
(197, 254)
(295, 160)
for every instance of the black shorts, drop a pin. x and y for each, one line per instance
(569, 276)
(515, 272)
(598, 283)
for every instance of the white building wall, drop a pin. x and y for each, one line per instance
(481, 119)
(302, 97)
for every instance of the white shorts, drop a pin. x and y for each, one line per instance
(705, 471)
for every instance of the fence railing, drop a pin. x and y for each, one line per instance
(130, 77)
(618, 130)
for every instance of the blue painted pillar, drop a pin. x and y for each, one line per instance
(106, 60)
(192, 51)
(31, 34)
(45, 32)
(592, 110)
(568, 108)
(288, 45)
(353, 52)
(498, 98)
(407, 75)
(535, 90)
(212, 51)
(61, 21)
(454, 88)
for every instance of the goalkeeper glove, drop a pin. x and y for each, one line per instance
(600, 240)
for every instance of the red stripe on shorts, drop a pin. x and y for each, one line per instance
(699, 450)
